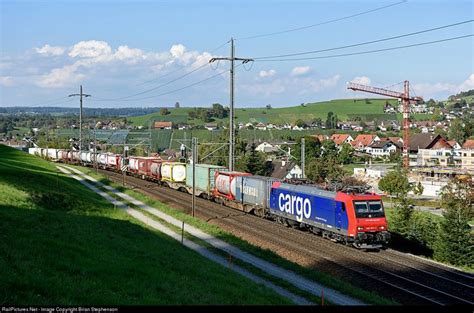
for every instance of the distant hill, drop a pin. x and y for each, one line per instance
(122, 112)
(345, 109)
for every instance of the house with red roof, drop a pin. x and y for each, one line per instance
(340, 139)
(361, 142)
(321, 138)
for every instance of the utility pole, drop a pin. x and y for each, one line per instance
(232, 59)
(195, 157)
(80, 114)
(303, 175)
(95, 148)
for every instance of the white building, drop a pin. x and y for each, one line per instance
(266, 147)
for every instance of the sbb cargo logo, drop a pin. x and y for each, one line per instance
(297, 205)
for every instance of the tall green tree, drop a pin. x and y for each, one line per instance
(312, 149)
(254, 162)
(457, 131)
(345, 154)
(456, 243)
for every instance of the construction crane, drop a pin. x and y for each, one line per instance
(406, 101)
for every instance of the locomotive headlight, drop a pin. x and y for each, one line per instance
(382, 227)
(360, 228)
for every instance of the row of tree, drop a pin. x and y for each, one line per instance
(450, 239)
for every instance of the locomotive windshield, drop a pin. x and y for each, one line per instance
(364, 209)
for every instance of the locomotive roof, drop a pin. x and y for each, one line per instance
(311, 190)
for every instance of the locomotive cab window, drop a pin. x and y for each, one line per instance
(364, 209)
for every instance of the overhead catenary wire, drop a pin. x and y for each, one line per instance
(172, 91)
(322, 23)
(157, 87)
(179, 70)
(367, 52)
(366, 42)
(48, 101)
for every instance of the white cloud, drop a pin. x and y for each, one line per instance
(424, 89)
(265, 89)
(60, 77)
(468, 84)
(90, 49)
(364, 80)
(323, 84)
(268, 73)
(6, 81)
(124, 52)
(300, 71)
(48, 50)
(294, 85)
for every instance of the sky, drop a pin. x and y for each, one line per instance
(156, 53)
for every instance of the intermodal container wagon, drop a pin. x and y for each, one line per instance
(225, 184)
(173, 172)
(254, 190)
(205, 176)
(141, 165)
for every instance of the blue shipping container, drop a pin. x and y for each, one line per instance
(253, 190)
(309, 205)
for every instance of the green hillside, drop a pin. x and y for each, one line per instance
(63, 244)
(344, 108)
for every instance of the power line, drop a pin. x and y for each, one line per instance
(364, 43)
(47, 101)
(322, 23)
(172, 91)
(369, 51)
(157, 87)
(179, 70)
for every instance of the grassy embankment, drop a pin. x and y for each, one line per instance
(63, 244)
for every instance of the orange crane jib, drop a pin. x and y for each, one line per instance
(406, 101)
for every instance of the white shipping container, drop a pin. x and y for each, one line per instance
(103, 159)
(225, 184)
(175, 172)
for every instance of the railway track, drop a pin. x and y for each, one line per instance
(403, 278)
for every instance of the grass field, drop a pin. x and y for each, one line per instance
(63, 244)
(343, 108)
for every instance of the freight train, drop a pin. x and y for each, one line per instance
(356, 219)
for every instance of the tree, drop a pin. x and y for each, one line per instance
(395, 183)
(164, 111)
(331, 121)
(456, 244)
(268, 106)
(203, 114)
(254, 162)
(321, 170)
(456, 131)
(219, 111)
(437, 115)
(418, 189)
(329, 150)
(431, 103)
(300, 123)
(345, 154)
(312, 149)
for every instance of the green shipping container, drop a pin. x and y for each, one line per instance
(204, 176)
